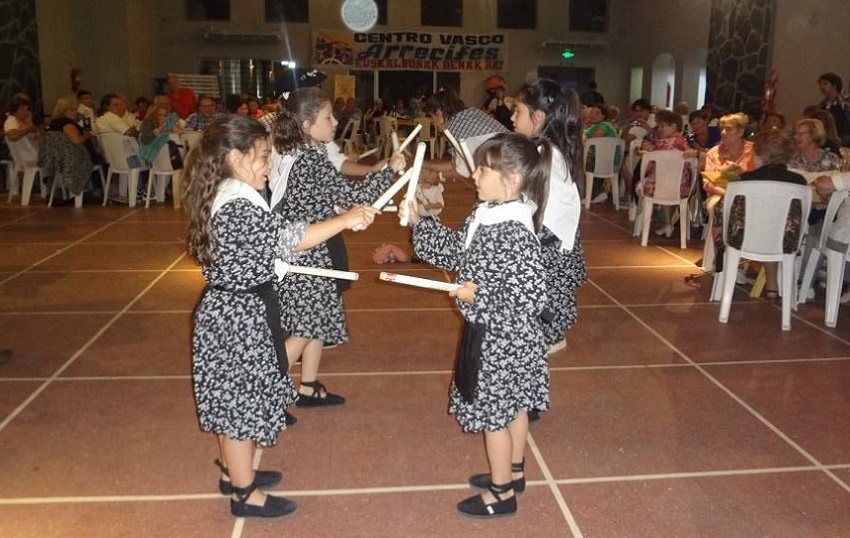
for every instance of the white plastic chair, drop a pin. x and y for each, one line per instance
(607, 161)
(11, 176)
(191, 139)
(30, 170)
(669, 166)
(387, 125)
(836, 256)
(351, 139)
(813, 261)
(121, 151)
(765, 215)
(426, 134)
(160, 172)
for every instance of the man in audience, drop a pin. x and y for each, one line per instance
(198, 121)
(116, 118)
(830, 86)
(85, 108)
(182, 100)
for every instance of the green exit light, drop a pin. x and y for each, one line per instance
(568, 53)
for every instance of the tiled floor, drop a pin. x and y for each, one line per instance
(664, 422)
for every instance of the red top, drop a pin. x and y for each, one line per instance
(183, 102)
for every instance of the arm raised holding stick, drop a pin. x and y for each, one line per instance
(414, 179)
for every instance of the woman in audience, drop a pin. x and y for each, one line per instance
(723, 163)
(831, 140)
(809, 155)
(234, 104)
(667, 135)
(155, 131)
(64, 149)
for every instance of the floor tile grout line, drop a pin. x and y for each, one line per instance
(803, 452)
(25, 216)
(12, 501)
(553, 487)
(63, 249)
(441, 372)
(81, 350)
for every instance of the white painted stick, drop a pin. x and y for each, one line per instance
(453, 141)
(414, 180)
(329, 273)
(367, 153)
(409, 138)
(394, 137)
(467, 155)
(389, 193)
(419, 282)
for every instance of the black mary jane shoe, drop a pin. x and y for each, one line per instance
(273, 507)
(476, 507)
(289, 419)
(261, 479)
(483, 481)
(316, 399)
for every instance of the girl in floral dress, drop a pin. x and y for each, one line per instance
(501, 370)
(314, 189)
(239, 365)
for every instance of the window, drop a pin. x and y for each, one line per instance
(441, 13)
(207, 10)
(382, 11)
(588, 16)
(520, 14)
(287, 11)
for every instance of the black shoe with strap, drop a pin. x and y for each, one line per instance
(289, 419)
(273, 507)
(476, 507)
(483, 481)
(261, 479)
(320, 396)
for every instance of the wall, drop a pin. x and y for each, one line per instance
(19, 71)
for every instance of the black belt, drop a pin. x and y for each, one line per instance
(268, 296)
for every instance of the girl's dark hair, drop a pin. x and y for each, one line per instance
(232, 102)
(562, 125)
(446, 101)
(206, 169)
(528, 157)
(303, 105)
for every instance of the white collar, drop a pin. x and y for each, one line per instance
(231, 189)
(489, 213)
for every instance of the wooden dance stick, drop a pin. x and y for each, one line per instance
(419, 282)
(394, 137)
(329, 273)
(414, 180)
(389, 193)
(367, 153)
(468, 156)
(409, 138)
(453, 141)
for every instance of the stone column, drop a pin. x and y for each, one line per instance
(19, 53)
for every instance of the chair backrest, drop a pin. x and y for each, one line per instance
(349, 130)
(387, 124)
(835, 200)
(162, 161)
(191, 139)
(670, 164)
(766, 213)
(608, 155)
(19, 157)
(122, 152)
(425, 134)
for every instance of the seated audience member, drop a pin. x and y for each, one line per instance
(198, 121)
(369, 116)
(831, 142)
(141, 103)
(85, 109)
(469, 124)
(772, 119)
(501, 107)
(254, 109)
(771, 152)
(115, 117)
(155, 131)
(599, 126)
(667, 135)
(701, 136)
(809, 155)
(19, 128)
(723, 163)
(235, 104)
(64, 150)
(182, 100)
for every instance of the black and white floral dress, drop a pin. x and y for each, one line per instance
(312, 305)
(496, 249)
(241, 390)
(563, 255)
